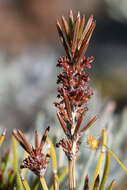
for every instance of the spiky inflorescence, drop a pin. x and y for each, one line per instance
(36, 161)
(74, 91)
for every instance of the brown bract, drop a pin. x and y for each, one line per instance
(36, 161)
(74, 91)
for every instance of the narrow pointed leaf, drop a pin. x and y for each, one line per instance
(44, 138)
(85, 43)
(68, 106)
(78, 123)
(62, 123)
(71, 25)
(18, 140)
(89, 124)
(5, 161)
(89, 33)
(100, 160)
(35, 184)
(75, 37)
(86, 184)
(106, 171)
(21, 135)
(15, 154)
(62, 39)
(82, 22)
(85, 31)
(18, 181)
(66, 29)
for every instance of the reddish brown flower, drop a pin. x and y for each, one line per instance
(74, 91)
(36, 161)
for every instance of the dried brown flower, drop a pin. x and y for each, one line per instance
(36, 161)
(74, 91)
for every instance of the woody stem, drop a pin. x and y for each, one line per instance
(72, 180)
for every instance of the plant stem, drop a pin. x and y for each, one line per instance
(106, 171)
(72, 181)
(25, 184)
(15, 154)
(54, 164)
(18, 181)
(100, 159)
(62, 176)
(43, 183)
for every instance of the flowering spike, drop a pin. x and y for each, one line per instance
(36, 161)
(74, 91)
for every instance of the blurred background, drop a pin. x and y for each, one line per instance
(29, 49)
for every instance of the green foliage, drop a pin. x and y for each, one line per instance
(10, 174)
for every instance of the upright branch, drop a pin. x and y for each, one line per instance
(74, 91)
(37, 161)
